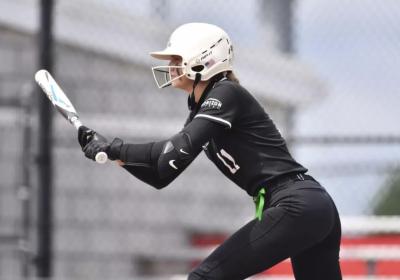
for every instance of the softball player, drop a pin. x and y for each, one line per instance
(295, 216)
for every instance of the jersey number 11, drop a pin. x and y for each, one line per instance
(232, 166)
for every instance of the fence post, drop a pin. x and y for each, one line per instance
(45, 195)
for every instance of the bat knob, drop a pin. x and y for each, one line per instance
(101, 157)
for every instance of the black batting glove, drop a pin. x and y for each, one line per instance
(97, 144)
(93, 143)
(100, 144)
(85, 135)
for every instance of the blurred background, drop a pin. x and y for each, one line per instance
(326, 71)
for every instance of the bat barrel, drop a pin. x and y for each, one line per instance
(62, 103)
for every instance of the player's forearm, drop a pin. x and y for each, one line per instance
(148, 175)
(140, 154)
(159, 163)
(141, 161)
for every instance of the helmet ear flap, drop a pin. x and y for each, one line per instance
(198, 68)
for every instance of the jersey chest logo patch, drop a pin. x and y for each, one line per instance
(212, 104)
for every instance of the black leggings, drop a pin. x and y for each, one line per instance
(300, 221)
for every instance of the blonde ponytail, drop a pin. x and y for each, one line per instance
(232, 77)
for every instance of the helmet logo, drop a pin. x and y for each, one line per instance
(205, 56)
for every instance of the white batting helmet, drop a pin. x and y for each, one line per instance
(205, 49)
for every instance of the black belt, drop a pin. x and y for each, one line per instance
(269, 185)
(286, 178)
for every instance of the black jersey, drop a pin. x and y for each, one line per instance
(235, 132)
(250, 150)
(243, 142)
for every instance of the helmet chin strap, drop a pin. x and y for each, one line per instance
(191, 98)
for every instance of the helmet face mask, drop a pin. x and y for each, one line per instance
(205, 49)
(162, 74)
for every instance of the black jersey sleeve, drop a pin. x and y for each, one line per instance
(159, 163)
(222, 104)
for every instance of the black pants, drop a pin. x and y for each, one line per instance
(300, 221)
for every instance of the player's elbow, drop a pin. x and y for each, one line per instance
(163, 181)
(160, 185)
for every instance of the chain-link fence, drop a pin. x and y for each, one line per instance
(326, 71)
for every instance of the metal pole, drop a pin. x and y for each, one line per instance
(45, 195)
(24, 191)
(278, 16)
(290, 113)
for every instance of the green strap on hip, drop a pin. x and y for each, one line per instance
(259, 200)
